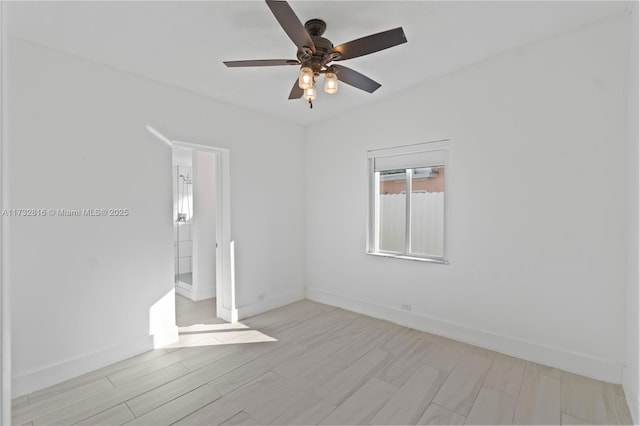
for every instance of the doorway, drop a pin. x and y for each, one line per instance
(201, 220)
(183, 220)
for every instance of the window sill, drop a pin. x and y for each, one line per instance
(438, 260)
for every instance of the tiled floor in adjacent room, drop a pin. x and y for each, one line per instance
(308, 363)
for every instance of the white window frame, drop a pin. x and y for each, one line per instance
(410, 155)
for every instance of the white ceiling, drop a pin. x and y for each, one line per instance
(184, 43)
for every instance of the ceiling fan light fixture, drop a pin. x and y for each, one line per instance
(315, 54)
(305, 81)
(310, 93)
(330, 83)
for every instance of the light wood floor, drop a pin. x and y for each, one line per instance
(308, 363)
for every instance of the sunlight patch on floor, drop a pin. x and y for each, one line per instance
(218, 334)
(212, 327)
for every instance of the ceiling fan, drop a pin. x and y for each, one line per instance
(316, 54)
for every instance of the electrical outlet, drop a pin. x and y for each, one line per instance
(406, 307)
(260, 297)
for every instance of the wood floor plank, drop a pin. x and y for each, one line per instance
(338, 388)
(213, 354)
(309, 410)
(407, 337)
(280, 319)
(311, 359)
(583, 398)
(318, 370)
(486, 353)
(84, 409)
(616, 405)
(412, 399)
(363, 405)
(241, 418)
(259, 366)
(506, 374)
(545, 370)
(189, 312)
(328, 324)
(492, 408)
(271, 406)
(178, 408)
(189, 340)
(437, 415)
(443, 356)
(405, 362)
(321, 336)
(244, 336)
(336, 330)
(145, 402)
(256, 392)
(59, 400)
(305, 332)
(117, 415)
(139, 370)
(570, 420)
(364, 343)
(460, 389)
(20, 402)
(539, 400)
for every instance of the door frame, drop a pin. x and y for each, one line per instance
(225, 286)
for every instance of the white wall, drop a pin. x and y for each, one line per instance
(537, 261)
(92, 290)
(631, 379)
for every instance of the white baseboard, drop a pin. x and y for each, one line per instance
(203, 294)
(228, 315)
(270, 302)
(58, 373)
(192, 293)
(578, 363)
(632, 396)
(183, 289)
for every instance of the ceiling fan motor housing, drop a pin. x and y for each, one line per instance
(324, 48)
(315, 27)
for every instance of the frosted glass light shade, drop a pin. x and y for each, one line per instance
(310, 93)
(330, 83)
(305, 80)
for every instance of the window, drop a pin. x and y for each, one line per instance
(407, 202)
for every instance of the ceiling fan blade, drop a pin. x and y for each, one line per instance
(355, 79)
(261, 63)
(370, 44)
(291, 24)
(296, 91)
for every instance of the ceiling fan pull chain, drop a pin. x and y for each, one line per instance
(310, 104)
